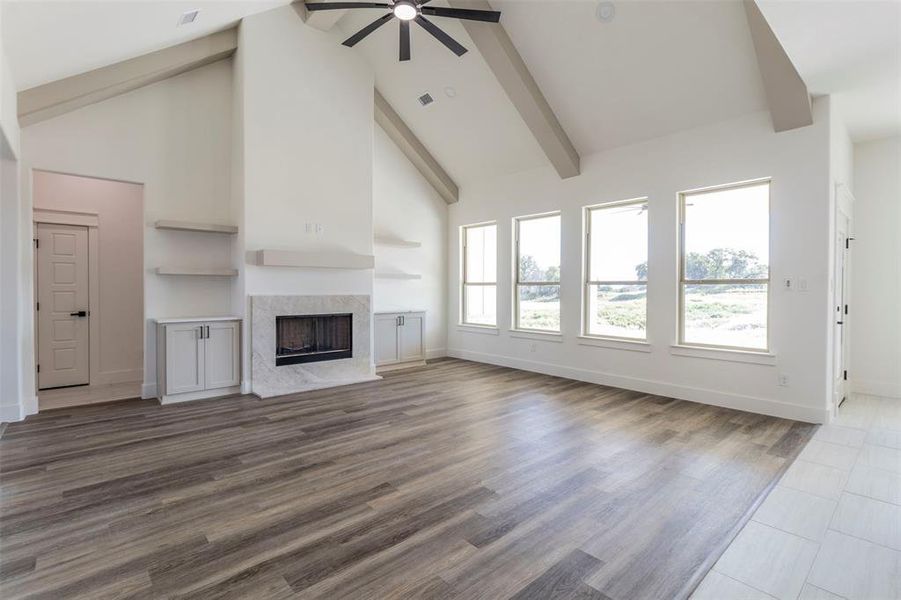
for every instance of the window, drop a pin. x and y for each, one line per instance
(479, 303)
(616, 270)
(724, 266)
(537, 294)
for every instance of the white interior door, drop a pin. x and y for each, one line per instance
(840, 309)
(221, 354)
(62, 310)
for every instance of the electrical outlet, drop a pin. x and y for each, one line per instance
(788, 284)
(783, 379)
(532, 347)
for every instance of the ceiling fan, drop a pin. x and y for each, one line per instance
(410, 10)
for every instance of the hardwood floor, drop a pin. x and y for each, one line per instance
(455, 480)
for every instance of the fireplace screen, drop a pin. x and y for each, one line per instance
(312, 338)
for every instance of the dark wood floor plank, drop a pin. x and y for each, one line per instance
(454, 480)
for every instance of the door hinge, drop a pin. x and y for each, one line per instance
(845, 375)
(848, 241)
(39, 368)
(37, 243)
(846, 309)
(37, 306)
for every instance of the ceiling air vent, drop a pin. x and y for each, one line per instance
(426, 99)
(188, 17)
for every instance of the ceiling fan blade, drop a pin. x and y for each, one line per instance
(352, 40)
(489, 16)
(342, 5)
(442, 37)
(404, 40)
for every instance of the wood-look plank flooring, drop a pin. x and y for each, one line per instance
(454, 480)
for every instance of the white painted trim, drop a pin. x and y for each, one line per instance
(121, 376)
(64, 217)
(541, 336)
(885, 389)
(742, 356)
(11, 413)
(148, 391)
(692, 394)
(433, 353)
(201, 395)
(481, 329)
(614, 344)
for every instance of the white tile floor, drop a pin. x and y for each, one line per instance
(831, 528)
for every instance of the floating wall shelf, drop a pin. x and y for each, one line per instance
(201, 272)
(201, 227)
(394, 275)
(315, 260)
(391, 241)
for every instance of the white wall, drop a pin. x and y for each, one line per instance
(175, 138)
(307, 154)
(117, 307)
(407, 207)
(875, 351)
(17, 397)
(737, 150)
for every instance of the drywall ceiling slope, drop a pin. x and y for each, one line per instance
(851, 50)
(47, 41)
(476, 134)
(657, 67)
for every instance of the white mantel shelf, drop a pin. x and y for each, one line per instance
(194, 226)
(394, 275)
(315, 260)
(397, 242)
(201, 272)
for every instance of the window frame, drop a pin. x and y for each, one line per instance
(586, 279)
(464, 229)
(683, 282)
(517, 283)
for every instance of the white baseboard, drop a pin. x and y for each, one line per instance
(704, 396)
(432, 353)
(886, 389)
(148, 390)
(111, 377)
(11, 413)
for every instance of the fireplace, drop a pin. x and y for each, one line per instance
(313, 338)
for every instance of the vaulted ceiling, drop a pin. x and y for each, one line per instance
(655, 68)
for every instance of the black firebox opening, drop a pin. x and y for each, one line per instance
(313, 338)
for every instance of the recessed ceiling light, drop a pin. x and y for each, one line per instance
(405, 11)
(450, 92)
(605, 12)
(188, 17)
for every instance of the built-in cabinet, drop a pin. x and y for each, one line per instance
(198, 359)
(399, 339)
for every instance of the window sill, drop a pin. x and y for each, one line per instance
(615, 344)
(482, 329)
(544, 336)
(743, 356)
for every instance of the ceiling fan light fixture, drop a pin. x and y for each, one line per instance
(405, 11)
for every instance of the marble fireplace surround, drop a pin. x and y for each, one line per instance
(268, 380)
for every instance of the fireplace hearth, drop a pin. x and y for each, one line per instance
(313, 338)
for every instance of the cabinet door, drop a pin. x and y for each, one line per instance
(412, 346)
(222, 355)
(387, 350)
(184, 358)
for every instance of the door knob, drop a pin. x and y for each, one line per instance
(81, 313)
